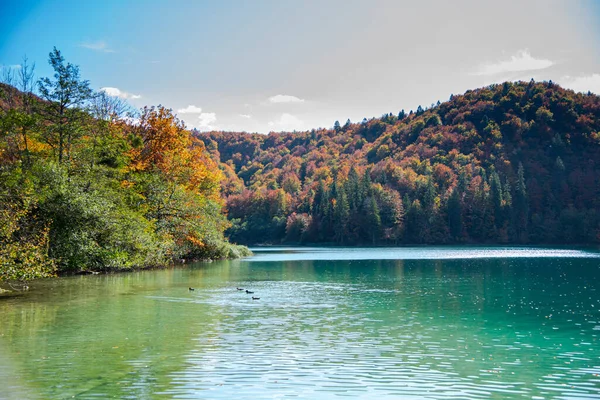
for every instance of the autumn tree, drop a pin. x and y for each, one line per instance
(180, 182)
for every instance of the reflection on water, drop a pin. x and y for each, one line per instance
(412, 253)
(523, 327)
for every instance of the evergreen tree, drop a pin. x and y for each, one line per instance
(429, 195)
(336, 126)
(341, 215)
(496, 199)
(559, 184)
(461, 185)
(64, 96)
(455, 218)
(366, 185)
(373, 219)
(353, 192)
(415, 221)
(521, 206)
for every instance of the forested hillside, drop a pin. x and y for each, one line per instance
(509, 163)
(83, 186)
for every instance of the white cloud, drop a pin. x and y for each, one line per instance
(522, 61)
(287, 122)
(284, 98)
(116, 92)
(99, 45)
(583, 84)
(248, 116)
(191, 109)
(205, 122)
(207, 119)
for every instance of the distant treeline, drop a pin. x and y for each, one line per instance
(509, 163)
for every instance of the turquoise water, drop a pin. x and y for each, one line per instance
(422, 323)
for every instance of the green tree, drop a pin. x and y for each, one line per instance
(521, 206)
(496, 199)
(337, 127)
(373, 219)
(341, 215)
(65, 95)
(415, 222)
(455, 217)
(353, 191)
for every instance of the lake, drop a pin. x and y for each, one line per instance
(422, 323)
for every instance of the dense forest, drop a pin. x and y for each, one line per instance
(88, 184)
(509, 163)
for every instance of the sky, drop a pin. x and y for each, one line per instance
(273, 65)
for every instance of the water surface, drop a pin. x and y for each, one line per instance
(422, 323)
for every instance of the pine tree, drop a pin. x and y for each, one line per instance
(373, 219)
(336, 126)
(64, 95)
(352, 187)
(415, 222)
(429, 195)
(521, 206)
(365, 185)
(558, 184)
(455, 217)
(496, 199)
(341, 215)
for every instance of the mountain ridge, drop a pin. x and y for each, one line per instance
(481, 144)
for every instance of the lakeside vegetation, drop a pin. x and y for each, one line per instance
(509, 163)
(88, 184)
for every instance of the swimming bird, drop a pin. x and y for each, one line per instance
(239, 288)
(249, 292)
(255, 298)
(191, 289)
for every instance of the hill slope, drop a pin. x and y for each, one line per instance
(509, 163)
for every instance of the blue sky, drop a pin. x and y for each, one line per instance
(281, 65)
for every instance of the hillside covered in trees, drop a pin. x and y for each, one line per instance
(509, 163)
(85, 185)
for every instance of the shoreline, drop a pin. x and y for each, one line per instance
(109, 271)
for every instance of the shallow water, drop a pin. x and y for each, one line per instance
(362, 323)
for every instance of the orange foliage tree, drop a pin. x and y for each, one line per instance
(186, 201)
